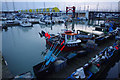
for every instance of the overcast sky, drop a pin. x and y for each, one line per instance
(79, 4)
(62, 0)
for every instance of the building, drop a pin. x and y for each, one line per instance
(42, 10)
(119, 6)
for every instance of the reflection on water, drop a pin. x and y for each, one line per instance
(22, 46)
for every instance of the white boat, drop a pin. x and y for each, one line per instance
(11, 22)
(48, 21)
(3, 18)
(42, 22)
(58, 20)
(32, 20)
(25, 23)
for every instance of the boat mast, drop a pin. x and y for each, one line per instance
(44, 5)
(84, 6)
(97, 6)
(27, 6)
(33, 5)
(111, 7)
(13, 6)
(6, 5)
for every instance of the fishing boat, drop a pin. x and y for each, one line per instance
(84, 36)
(42, 70)
(84, 73)
(52, 63)
(97, 64)
(107, 33)
(25, 23)
(72, 39)
(68, 36)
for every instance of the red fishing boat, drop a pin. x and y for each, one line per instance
(69, 38)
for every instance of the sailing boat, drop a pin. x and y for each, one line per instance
(34, 18)
(11, 21)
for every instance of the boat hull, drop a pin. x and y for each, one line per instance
(67, 48)
(41, 73)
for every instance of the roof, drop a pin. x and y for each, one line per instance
(71, 34)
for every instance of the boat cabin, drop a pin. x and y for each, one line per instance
(70, 38)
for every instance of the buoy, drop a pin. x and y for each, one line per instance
(116, 47)
(98, 65)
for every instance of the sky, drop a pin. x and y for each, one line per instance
(62, 0)
(79, 4)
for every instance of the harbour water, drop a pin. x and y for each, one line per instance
(22, 47)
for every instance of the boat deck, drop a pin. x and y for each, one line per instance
(79, 61)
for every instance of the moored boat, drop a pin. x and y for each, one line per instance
(11, 23)
(98, 64)
(71, 43)
(42, 71)
(25, 23)
(34, 20)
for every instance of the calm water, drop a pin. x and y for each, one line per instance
(22, 47)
